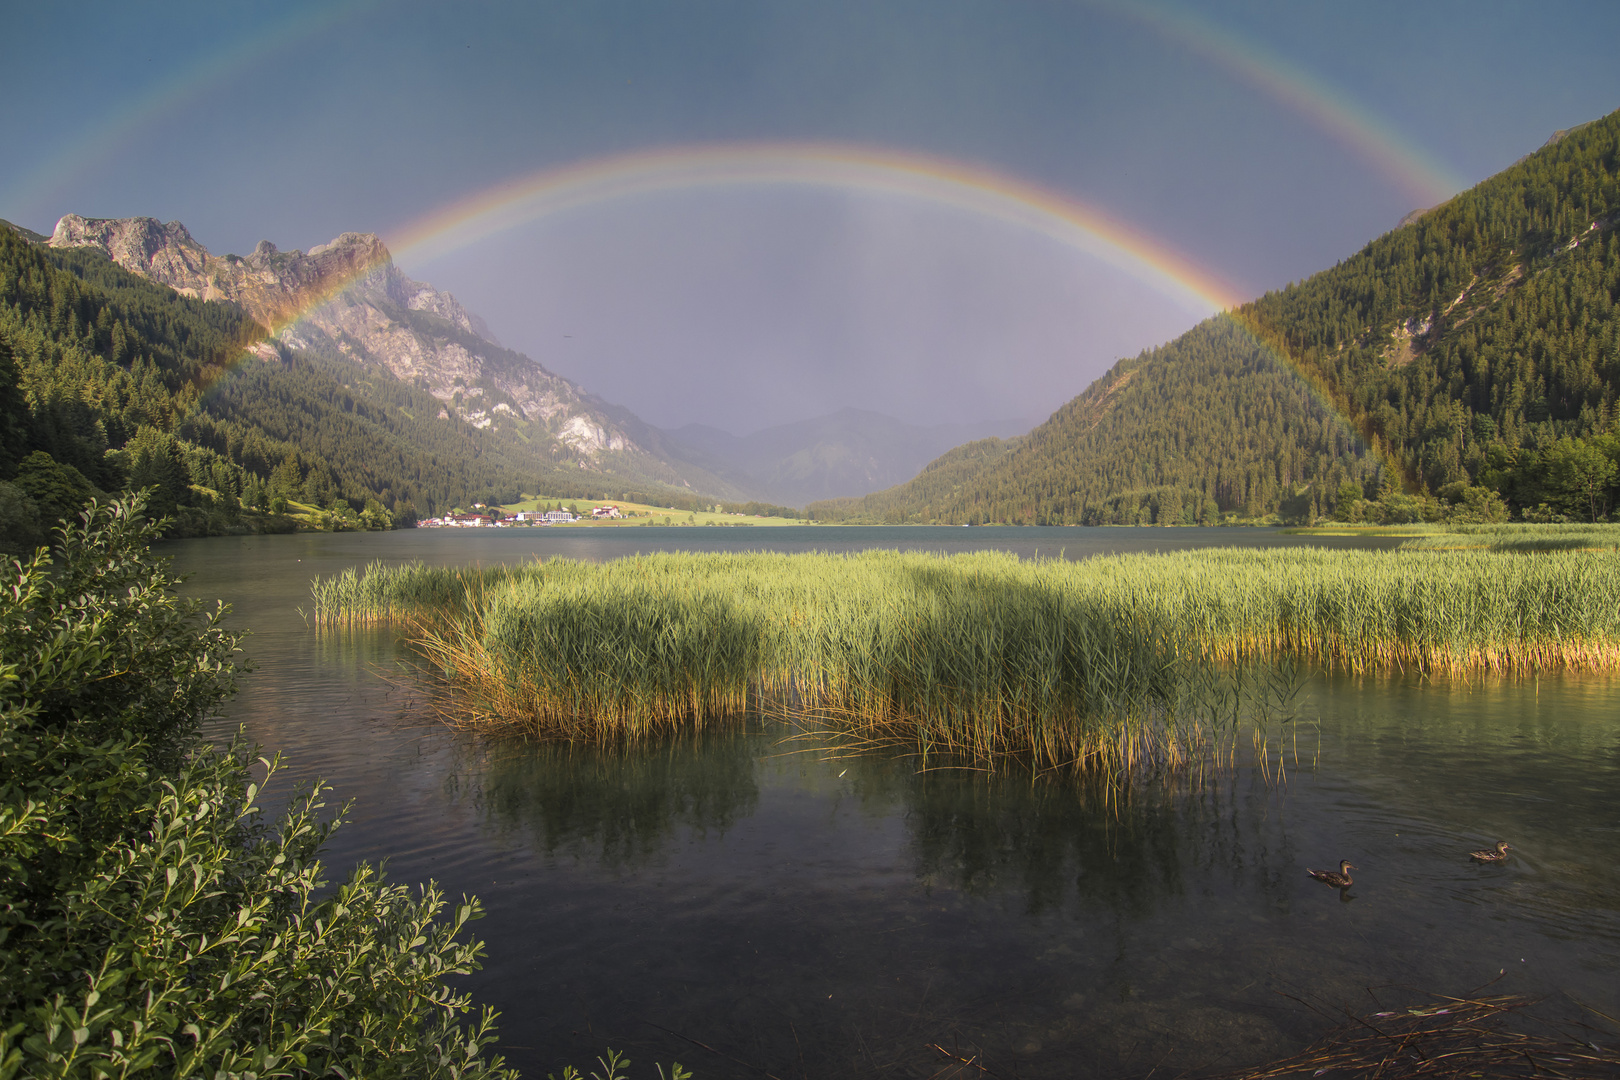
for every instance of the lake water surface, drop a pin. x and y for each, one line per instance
(753, 908)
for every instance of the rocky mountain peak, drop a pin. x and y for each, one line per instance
(140, 244)
(351, 253)
(1562, 133)
(346, 297)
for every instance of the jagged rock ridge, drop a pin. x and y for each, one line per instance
(347, 297)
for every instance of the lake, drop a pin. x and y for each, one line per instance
(754, 906)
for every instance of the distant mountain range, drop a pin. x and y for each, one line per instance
(849, 452)
(424, 337)
(1476, 346)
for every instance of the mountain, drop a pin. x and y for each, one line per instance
(27, 234)
(346, 299)
(111, 381)
(849, 452)
(1468, 359)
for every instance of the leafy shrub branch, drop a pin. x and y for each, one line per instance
(153, 922)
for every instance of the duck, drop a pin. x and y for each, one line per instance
(1496, 854)
(1339, 879)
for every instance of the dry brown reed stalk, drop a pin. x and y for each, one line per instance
(1448, 1039)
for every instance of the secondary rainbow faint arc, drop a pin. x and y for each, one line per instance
(915, 177)
(1330, 110)
(168, 95)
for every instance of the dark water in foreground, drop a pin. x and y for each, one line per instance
(807, 916)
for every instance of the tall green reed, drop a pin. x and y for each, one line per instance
(1117, 662)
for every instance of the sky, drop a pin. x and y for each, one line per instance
(755, 212)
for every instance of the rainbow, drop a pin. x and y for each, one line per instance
(107, 137)
(1414, 170)
(1334, 113)
(914, 177)
(933, 181)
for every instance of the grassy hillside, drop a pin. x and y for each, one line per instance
(941, 483)
(1469, 359)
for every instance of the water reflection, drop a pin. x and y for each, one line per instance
(1078, 845)
(1445, 767)
(1060, 843)
(829, 915)
(618, 805)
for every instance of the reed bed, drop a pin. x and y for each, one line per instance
(1130, 662)
(381, 593)
(1521, 538)
(1458, 612)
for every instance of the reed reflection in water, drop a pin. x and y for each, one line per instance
(779, 901)
(618, 806)
(776, 902)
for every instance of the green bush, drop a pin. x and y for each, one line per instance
(152, 922)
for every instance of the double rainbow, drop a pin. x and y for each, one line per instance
(1335, 113)
(1418, 173)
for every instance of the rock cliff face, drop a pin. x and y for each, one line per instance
(347, 297)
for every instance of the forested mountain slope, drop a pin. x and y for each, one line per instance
(346, 300)
(109, 380)
(1475, 348)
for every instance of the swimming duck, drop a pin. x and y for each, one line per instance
(1489, 855)
(1339, 879)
